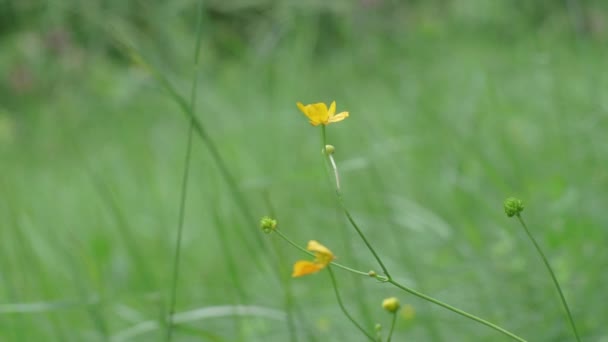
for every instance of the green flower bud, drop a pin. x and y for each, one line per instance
(329, 149)
(378, 329)
(372, 274)
(391, 304)
(268, 224)
(513, 206)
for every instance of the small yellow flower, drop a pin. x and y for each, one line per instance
(318, 114)
(323, 256)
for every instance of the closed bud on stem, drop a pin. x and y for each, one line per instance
(268, 224)
(329, 149)
(391, 304)
(378, 330)
(513, 206)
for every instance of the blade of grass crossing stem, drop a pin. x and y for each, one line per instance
(211, 147)
(185, 177)
(233, 272)
(240, 201)
(208, 142)
(285, 279)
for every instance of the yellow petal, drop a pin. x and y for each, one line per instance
(315, 246)
(338, 117)
(317, 114)
(320, 108)
(301, 107)
(332, 109)
(303, 267)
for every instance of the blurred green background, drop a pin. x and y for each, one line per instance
(455, 105)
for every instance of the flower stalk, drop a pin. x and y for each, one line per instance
(343, 308)
(347, 213)
(553, 277)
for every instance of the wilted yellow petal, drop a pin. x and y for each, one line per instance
(338, 117)
(303, 267)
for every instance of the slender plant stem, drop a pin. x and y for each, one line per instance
(559, 289)
(390, 333)
(178, 239)
(232, 269)
(456, 310)
(385, 270)
(290, 308)
(367, 243)
(335, 168)
(185, 178)
(335, 285)
(366, 274)
(346, 212)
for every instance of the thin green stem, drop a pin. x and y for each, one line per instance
(456, 310)
(369, 246)
(390, 333)
(178, 239)
(232, 269)
(290, 308)
(559, 289)
(288, 240)
(346, 212)
(185, 178)
(335, 285)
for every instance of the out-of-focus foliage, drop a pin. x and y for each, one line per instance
(454, 104)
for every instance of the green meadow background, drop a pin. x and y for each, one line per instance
(454, 106)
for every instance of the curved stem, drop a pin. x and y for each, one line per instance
(335, 285)
(559, 289)
(346, 212)
(284, 237)
(390, 333)
(456, 310)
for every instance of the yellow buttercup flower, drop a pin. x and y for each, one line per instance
(318, 114)
(323, 256)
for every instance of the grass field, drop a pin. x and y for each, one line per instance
(444, 125)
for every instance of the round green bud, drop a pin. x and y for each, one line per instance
(391, 304)
(372, 274)
(513, 206)
(268, 224)
(378, 327)
(329, 149)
